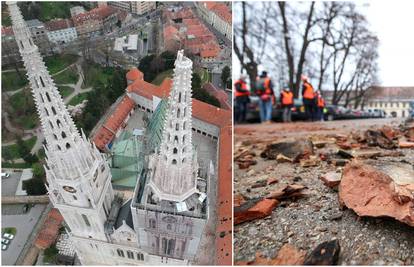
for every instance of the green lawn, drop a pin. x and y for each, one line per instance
(94, 73)
(12, 149)
(22, 110)
(24, 165)
(69, 76)
(59, 62)
(9, 230)
(11, 81)
(161, 77)
(65, 90)
(78, 99)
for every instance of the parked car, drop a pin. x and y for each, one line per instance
(5, 175)
(4, 247)
(5, 241)
(8, 236)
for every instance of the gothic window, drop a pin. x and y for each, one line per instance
(21, 44)
(152, 223)
(43, 101)
(120, 253)
(75, 198)
(130, 254)
(177, 127)
(185, 110)
(102, 167)
(183, 160)
(47, 112)
(183, 138)
(169, 227)
(174, 162)
(175, 150)
(55, 136)
(53, 110)
(58, 147)
(164, 245)
(171, 247)
(51, 125)
(59, 124)
(179, 97)
(85, 219)
(176, 138)
(67, 145)
(184, 125)
(178, 113)
(140, 256)
(43, 85)
(183, 150)
(63, 135)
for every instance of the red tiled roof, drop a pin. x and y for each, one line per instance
(134, 74)
(225, 199)
(58, 24)
(388, 92)
(50, 230)
(113, 123)
(98, 13)
(223, 11)
(219, 94)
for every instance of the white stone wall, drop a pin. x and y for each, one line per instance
(400, 108)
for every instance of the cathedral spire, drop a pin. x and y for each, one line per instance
(176, 169)
(64, 142)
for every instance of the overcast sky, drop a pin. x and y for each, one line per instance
(393, 22)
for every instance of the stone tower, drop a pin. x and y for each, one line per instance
(79, 179)
(175, 172)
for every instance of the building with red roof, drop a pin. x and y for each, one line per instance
(209, 121)
(217, 14)
(96, 21)
(61, 31)
(50, 230)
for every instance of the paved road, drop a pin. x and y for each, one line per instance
(9, 185)
(24, 224)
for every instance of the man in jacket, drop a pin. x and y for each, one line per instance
(320, 105)
(264, 90)
(308, 96)
(242, 94)
(286, 99)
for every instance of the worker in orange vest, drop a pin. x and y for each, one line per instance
(320, 104)
(286, 99)
(308, 96)
(242, 94)
(264, 89)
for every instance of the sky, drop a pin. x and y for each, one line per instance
(393, 22)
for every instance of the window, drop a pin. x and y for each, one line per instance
(120, 253)
(179, 97)
(130, 254)
(140, 256)
(75, 198)
(51, 125)
(175, 150)
(178, 113)
(177, 127)
(59, 124)
(174, 162)
(85, 219)
(63, 135)
(152, 223)
(67, 145)
(43, 84)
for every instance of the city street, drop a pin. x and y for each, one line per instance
(9, 185)
(308, 207)
(24, 224)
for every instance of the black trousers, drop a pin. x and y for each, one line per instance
(240, 111)
(310, 109)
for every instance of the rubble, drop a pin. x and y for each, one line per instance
(287, 255)
(331, 179)
(254, 209)
(294, 150)
(377, 138)
(405, 144)
(288, 191)
(326, 253)
(245, 158)
(370, 192)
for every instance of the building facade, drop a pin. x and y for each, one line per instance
(61, 31)
(218, 15)
(39, 32)
(395, 101)
(143, 7)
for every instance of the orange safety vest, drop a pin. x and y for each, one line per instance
(243, 85)
(321, 102)
(266, 84)
(287, 98)
(308, 94)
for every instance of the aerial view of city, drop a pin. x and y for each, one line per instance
(116, 133)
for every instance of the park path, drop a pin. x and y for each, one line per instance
(37, 132)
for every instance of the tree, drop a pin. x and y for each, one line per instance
(200, 93)
(145, 66)
(7, 155)
(226, 76)
(38, 171)
(34, 187)
(169, 59)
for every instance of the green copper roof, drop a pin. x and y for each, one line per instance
(127, 160)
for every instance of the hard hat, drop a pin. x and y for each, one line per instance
(304, 77)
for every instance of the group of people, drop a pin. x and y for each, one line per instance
(313, 101)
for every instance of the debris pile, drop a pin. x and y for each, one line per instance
(333, 193)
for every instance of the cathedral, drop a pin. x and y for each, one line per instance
(164, 220)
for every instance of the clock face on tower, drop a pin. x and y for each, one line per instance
(69, 189)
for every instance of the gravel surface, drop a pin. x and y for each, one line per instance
(318, 217)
